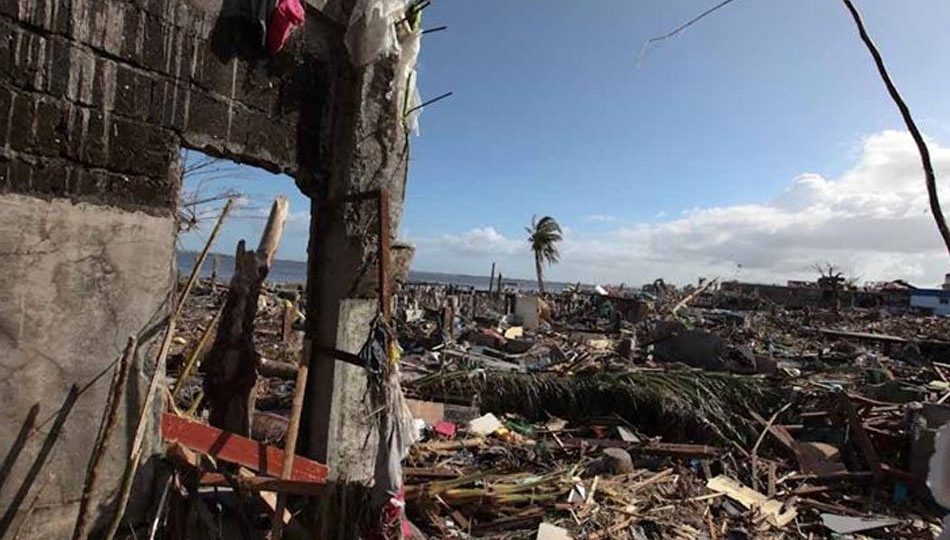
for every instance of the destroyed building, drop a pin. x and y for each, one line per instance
(708, 412)
(96, 101)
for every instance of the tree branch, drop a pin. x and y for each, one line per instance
(929, 176)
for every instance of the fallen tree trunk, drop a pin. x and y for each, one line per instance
(230, 368)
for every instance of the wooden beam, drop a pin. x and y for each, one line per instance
(256, 456)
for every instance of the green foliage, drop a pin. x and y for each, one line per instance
(543, 235)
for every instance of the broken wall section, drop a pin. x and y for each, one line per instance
(96, 98)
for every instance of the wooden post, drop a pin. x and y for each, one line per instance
(293, 428)
(231, 365)
(287, 322)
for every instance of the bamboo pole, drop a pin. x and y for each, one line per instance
(195, 354)
(199, 261)
(110, 414)
(128, 475)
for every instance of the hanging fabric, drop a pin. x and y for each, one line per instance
(381, 355)
(287, 15)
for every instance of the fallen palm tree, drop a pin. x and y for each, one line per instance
(680, 405)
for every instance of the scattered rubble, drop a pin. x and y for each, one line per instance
(690, 421)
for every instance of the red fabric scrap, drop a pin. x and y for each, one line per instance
(286, 15)
(446, 429)
(394, 522)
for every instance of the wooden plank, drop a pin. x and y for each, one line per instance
(752, 499)
(254, 455)
(260, 483)
(677, 450)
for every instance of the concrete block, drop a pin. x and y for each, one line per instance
(527, 309)
(77, 280)
(430, 411)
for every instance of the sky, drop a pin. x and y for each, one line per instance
(751, 146)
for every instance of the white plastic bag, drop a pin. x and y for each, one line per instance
(371, 33)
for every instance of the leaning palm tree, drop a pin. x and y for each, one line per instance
(543, 235)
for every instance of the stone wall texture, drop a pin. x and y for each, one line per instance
(97, 96)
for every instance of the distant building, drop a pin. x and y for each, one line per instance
(936, 301)
(946, 282)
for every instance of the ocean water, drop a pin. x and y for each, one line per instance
(295, 272)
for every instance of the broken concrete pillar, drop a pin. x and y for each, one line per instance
(369, 145)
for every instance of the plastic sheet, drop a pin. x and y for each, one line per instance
(377, 29)
(371, 33)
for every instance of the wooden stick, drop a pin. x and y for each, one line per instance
(758, 442)
(293, 428)
(199, 261)
(195, 354)
(135, 454)
(290, 441)
(109, 416)
(161, 506)
(689, 298)
(128, 476)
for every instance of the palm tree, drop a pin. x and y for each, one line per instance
(543, 235)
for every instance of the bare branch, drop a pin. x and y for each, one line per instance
(678, 29)
(929, 176)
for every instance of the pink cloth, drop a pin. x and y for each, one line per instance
(286, 15)
(446, 429)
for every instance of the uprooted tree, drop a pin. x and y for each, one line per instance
(832, 282)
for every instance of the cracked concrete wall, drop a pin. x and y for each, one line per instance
(77, 281)
(96, 99)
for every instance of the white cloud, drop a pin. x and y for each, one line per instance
(601, 218)
(873, 221)
(476, 242)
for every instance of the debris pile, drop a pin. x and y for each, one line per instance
(653, 413)
(661, 414)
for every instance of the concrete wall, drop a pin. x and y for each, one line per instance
(96, 99)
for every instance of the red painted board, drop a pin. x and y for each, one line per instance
(232, 448)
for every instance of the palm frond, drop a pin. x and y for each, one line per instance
(680, 405)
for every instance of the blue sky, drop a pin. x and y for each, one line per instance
(683, 165)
